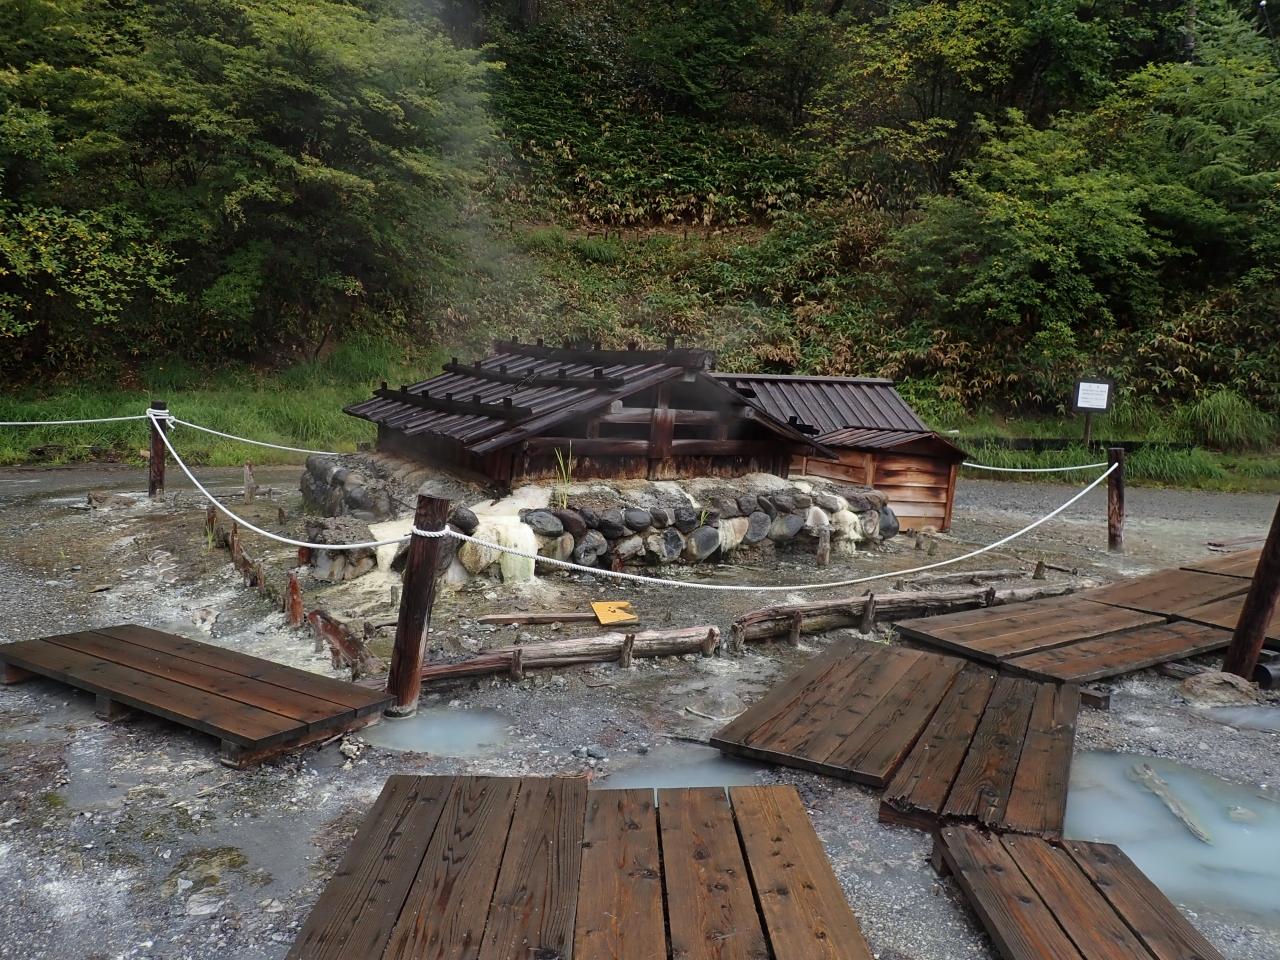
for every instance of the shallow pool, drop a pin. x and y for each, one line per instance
(443, 732)
(1235, 869)
(682, 765)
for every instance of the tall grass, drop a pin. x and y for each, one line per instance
(1154, 465)
(298, 406)
(1224, 420)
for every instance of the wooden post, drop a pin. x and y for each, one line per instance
(211, 525)
(517, 665)
(404, 681)
(293, 601)
(823, 554)
(628, 645)
(868, 624)
(797, 620)
(1259, 607)
(1088, 429)
(710, 642)
(250, 485)
(155, 467)
(1115, 501)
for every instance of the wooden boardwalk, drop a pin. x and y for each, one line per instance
(1065, 901)
(255, 707)
(497, 869)
(1125, 626)
(948, 740)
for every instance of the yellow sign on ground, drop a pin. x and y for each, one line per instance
(614, 611)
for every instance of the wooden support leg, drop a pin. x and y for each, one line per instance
(14, 674)
(937, 860)
(110, 710)
(868, 624)
(710, 642)
(797, 619)
(823, 556)
(517, 666)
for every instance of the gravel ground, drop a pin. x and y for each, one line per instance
(129, 840)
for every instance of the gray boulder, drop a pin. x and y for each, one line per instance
(888, 523)
(464, 520)
(629, 547)
(725, 507)
(660, 517)
(544, 523)
(590, 548)
(748, 504)
(637, 519)
(611, 524)
(686, 519)
(666, 546)
(572, 522)
(785, 526)
(829, 502)
(589, 517)
(784, 502)
(758, 524)
(767, 507)
(702, 543)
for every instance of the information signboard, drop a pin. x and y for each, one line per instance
(1093, 395)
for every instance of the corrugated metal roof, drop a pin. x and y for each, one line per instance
(829, 403)
(542, 385)
(885, 439)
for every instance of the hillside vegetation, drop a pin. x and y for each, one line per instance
(979, 198)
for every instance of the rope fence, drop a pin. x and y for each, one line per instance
(1082, 466)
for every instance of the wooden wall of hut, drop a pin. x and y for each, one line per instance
(921, 489)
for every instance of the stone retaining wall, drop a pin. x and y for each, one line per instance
(611, 525)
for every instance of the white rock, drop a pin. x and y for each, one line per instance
(848, 526)
(476, 558)
(388, 531)
(203, 904)
(518, 536)
(731, 533)
(816, 519)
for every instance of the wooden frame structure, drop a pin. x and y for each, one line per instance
(524, 411)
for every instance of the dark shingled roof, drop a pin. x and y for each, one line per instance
(886, 439)
(520, 390)
(829, 403)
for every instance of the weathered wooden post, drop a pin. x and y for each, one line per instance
(1115, 500)
(1259, 607)
(418, 593)
(155, 467)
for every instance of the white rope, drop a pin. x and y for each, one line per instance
(597, 571)
(256, 529)
(1083, 466)
(259, 443)
(63, 423)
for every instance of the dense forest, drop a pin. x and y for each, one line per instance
(978, 197)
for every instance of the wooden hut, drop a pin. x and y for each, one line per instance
(874, 437)
(525, 410)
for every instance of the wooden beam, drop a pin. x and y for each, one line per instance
(506, 410)
(417, 595)
(1259, 607)
(645, 415)
(617, 447)
(155, 466)
(597, 381)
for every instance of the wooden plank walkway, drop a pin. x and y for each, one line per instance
(1125, 626)
(1071, 900)
(948, 740)
(500, 868)
(255, 707)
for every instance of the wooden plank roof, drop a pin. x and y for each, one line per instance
(520, 390)
(873, 439)
(829, 403)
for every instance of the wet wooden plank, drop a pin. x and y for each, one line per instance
(876, 747)
(360, 699)
(209, 713)
(536, 897)
(805, 913)
(1167, 934)
(711, 908)
(1014, 915)
(361, 903)
(811, 710)
(1043, 630)
(620, 911)
(1119, 653)
(1168, 592)
(1226, 614)
(919, 789)
(447, 907)
(1092, 924)
(1038, 797)
(981, 790)
(210, 679)
(1242, 563)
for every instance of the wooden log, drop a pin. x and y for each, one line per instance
(404, 681)
(158, 455)
(345, 648)
(820, 615)
(1041, 571)
(1259, 607)
(967, 576)
(1115, 500)
(293, 601)
(604, 648)
(567, 616)
(304, 556)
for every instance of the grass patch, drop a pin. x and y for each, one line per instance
(298, 406)
(1224, 420)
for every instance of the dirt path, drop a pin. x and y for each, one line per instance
(129, 840)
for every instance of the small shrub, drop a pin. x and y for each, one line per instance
(604, 252)
(546, 239)
(1224, 420)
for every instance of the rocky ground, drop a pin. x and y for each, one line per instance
(129, 840)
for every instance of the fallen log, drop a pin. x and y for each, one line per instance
(506, 619)
(815, 617)
(966, 576)
(604, 648)
(345, 648)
